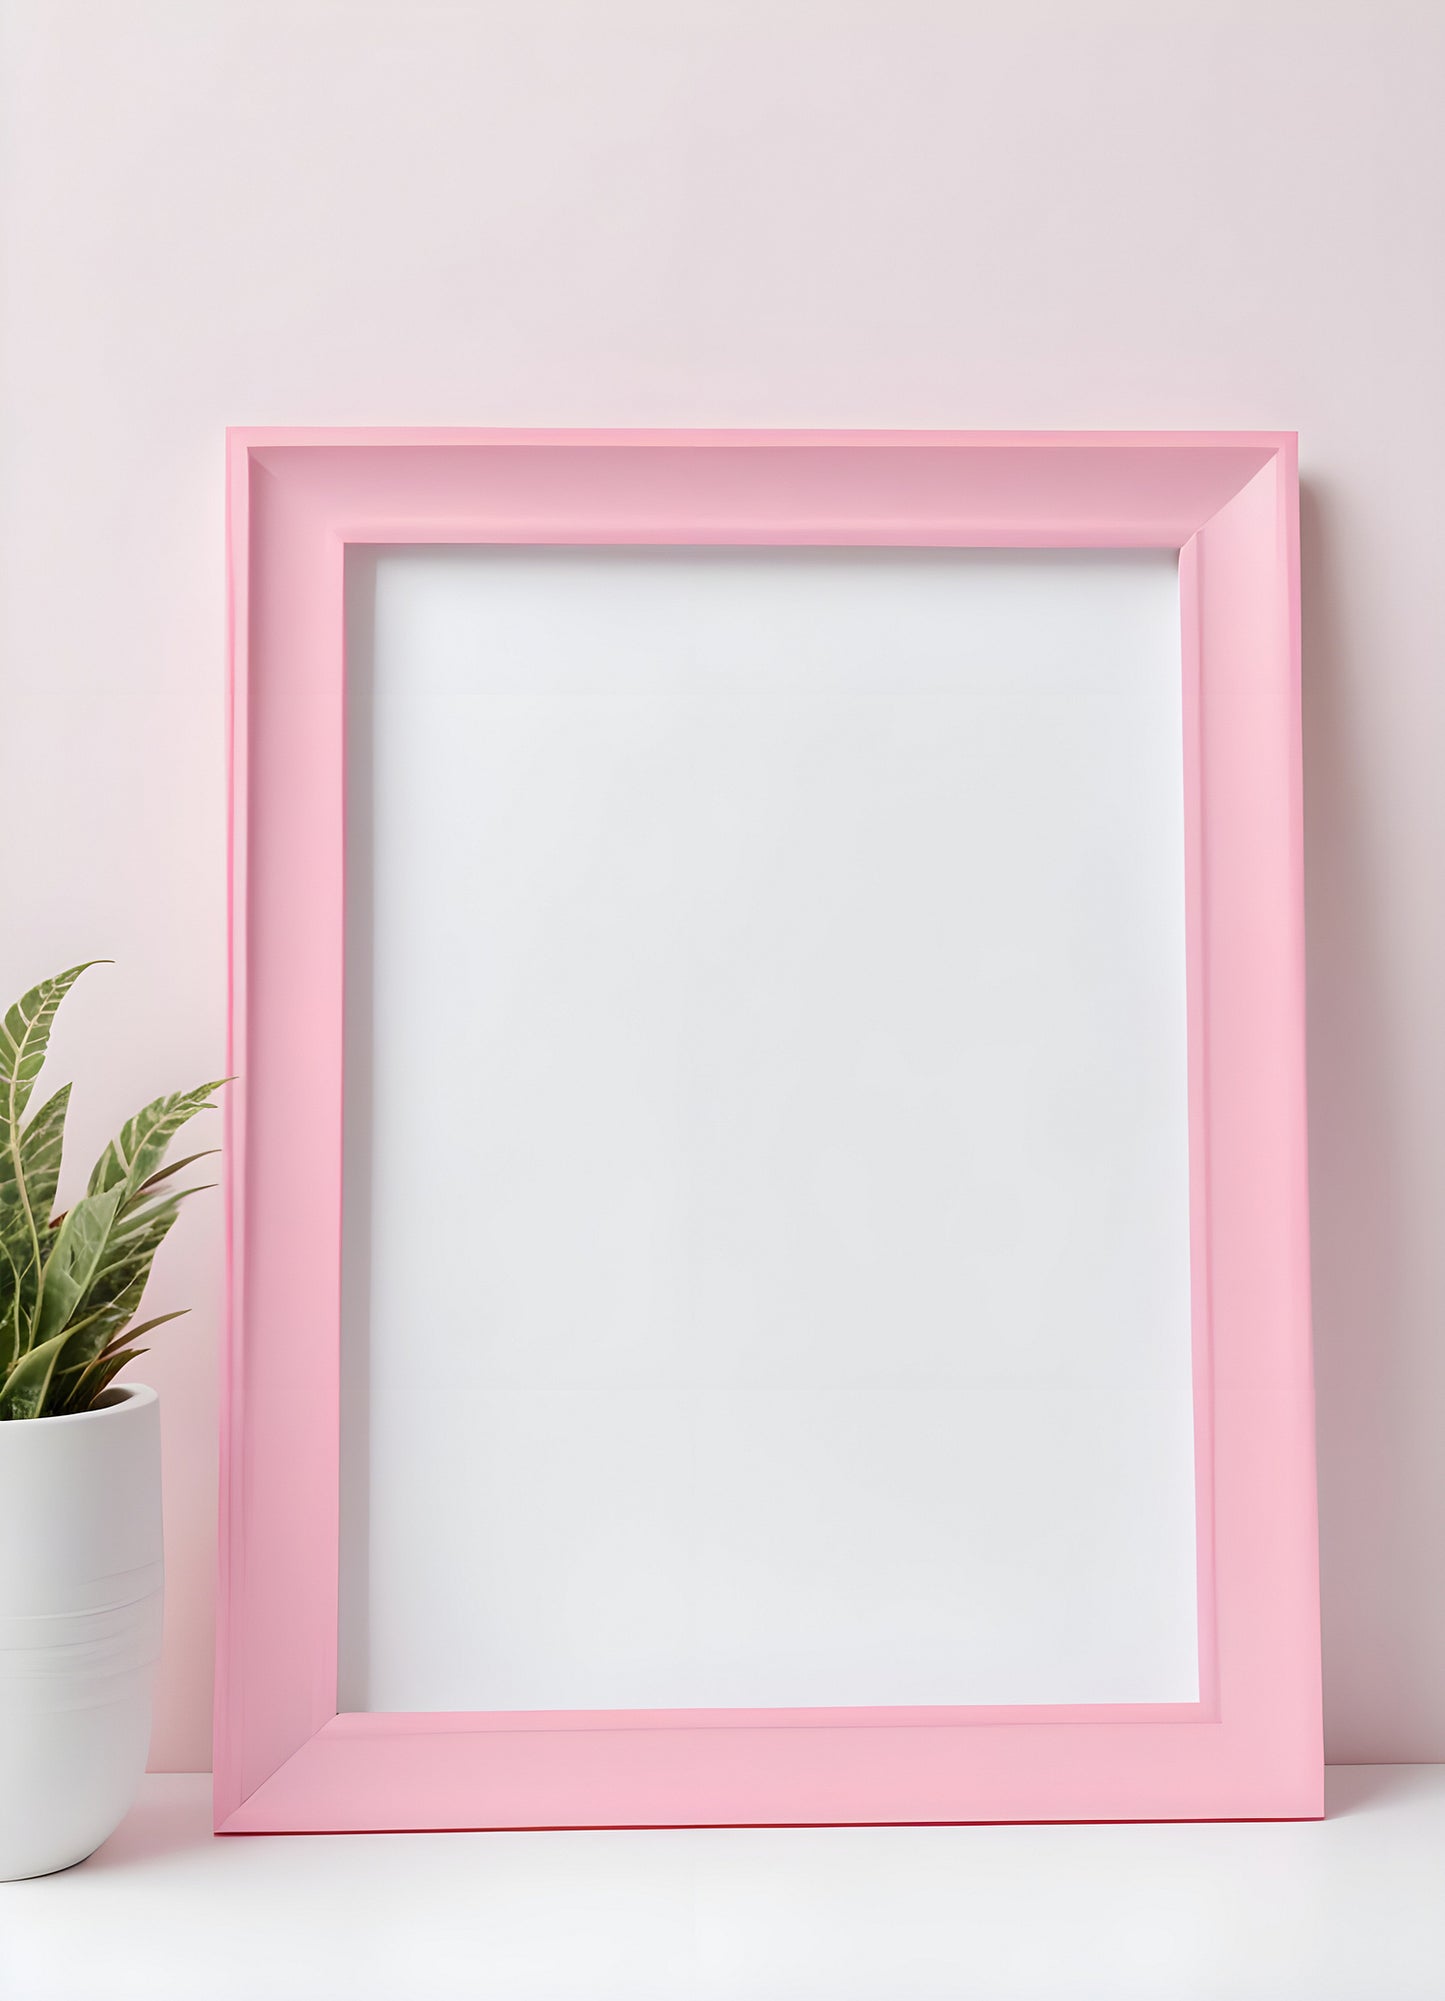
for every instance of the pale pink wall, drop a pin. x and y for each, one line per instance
(739, 212)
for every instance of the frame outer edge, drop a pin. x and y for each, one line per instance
(243, 446)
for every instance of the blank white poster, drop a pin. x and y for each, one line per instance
(767, 1217)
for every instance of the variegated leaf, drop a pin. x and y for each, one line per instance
(96, 1323)
(24, 1039)
(132, 1223)
(77, 1255)
(16, 1280)
(28, 1176)
(86, 1383)
(115, 1290)
(27, 1386)
(141, 1145)
(137, 1234)
(98, 1378)
(35, 1162)
(69, 1287)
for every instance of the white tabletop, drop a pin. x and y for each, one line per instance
(1353, 1906)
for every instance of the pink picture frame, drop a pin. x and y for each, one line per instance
(1251, 1747)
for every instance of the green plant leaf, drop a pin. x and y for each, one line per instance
(133, 1243)
(77, 1255)
(83, 1390)
(98, 1377)
(177, 1167)
(18, 1278)
(28, 1176)
(26, 1388)
(140, 1327)
(116, 1288)
(137, 1152)
(36, 1158)
(96, 1323)
(133, 1223)
(69, 1285)
(111, 1273)
(24, 1039)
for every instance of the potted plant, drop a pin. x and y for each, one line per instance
(80, 1517)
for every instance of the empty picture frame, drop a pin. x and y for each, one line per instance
(805, 933)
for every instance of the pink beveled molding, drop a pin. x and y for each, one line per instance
(1251, 1746)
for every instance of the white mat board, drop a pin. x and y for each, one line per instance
(767, 1273)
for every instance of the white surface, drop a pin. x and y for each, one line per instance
(777, 1214)
(1346, 1909)
(1046, 213)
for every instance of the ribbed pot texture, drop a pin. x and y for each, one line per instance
(80, 1624)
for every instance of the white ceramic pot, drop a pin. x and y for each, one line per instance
(80, 1625)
